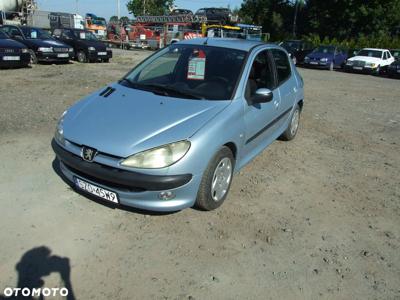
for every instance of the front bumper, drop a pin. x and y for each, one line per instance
(317, 64)
(133, 189)
(358, 69)
(96, 55)
(24, 60)
(53, 56)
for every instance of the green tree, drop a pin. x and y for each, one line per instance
(114, 19)
(149, 7)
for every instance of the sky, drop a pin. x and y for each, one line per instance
(108, 8)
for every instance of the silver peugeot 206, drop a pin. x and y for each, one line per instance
(174, 130)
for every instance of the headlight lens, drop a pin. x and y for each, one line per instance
(25, 50)
(92, 49)
(157, 158)
(371, 65)
(324, 59)
(71, 49)
(45, 49)
(59, 135)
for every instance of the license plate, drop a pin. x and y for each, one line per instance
(11, 58)
(95, 190)
(314, 63)
(63, 55)
(357, 68)
(102, 53)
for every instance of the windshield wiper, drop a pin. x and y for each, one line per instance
(171, 91)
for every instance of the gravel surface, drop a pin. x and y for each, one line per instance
(315, 218)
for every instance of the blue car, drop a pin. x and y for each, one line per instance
(326, 57)
(172, 132)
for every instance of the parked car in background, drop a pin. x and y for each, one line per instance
(394, 69)
(326, 57)
(298, 50)
(87, 47)
(177, 127)
(13, 53)
(180, 11)
(42, 46)
(370, 60)
(352, 52)
(395, 53)
(213, 14)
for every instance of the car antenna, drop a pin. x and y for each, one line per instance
(206, 42)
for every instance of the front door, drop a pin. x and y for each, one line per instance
(259, 117)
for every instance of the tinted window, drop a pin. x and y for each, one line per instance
(282, 64)
(261, 75)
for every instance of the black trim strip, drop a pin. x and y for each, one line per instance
(100, 173)
(268, 126)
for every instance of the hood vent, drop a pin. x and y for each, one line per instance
(107, 92)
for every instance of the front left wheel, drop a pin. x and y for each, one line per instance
(216, 181)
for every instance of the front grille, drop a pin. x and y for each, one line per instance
(58, 50)
(359, 63)
(108, 184)
(8, 50)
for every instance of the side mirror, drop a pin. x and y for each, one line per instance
(262, 96)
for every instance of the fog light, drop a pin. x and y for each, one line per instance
(166, 195)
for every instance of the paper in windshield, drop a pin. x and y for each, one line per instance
(82, 35)
(197, 65)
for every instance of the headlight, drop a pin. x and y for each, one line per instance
(370, 65)
(59, 135)
(157, 158)
(71, 49)
(324, 59)
(92, 49)
(306, 58)
(45, 49)
(349, 63)
(25, 50)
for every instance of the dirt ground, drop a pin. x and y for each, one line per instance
(315, 218)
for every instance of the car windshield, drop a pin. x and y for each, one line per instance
(370, 53)
(325, 49)
(3, 35)
(36, 34)
(190, 72)
(85, 35)
(288, 45)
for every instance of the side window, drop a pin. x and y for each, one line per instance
(282, 64)
(5, 29)
(261, 75)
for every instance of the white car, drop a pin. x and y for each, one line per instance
(370, 60)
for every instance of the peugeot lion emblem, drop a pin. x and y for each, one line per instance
(88, 154)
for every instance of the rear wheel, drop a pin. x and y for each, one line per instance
(81, 56)
(293, 127)
(106, 60)
(216, 181)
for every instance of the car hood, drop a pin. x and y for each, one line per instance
(129, 121)
(319, 55)
(96, 44)
(9, 43)
(367, 59)
(48, 43)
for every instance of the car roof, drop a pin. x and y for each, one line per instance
(238, 44)
(375, 49)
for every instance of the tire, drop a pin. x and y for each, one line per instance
(106, 60)
(34, 59)
(291, 131)
(378, 71)
(211, 193)
(81, 57)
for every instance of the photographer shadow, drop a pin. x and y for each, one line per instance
(36, 264)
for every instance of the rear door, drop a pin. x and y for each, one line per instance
(286, 87)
